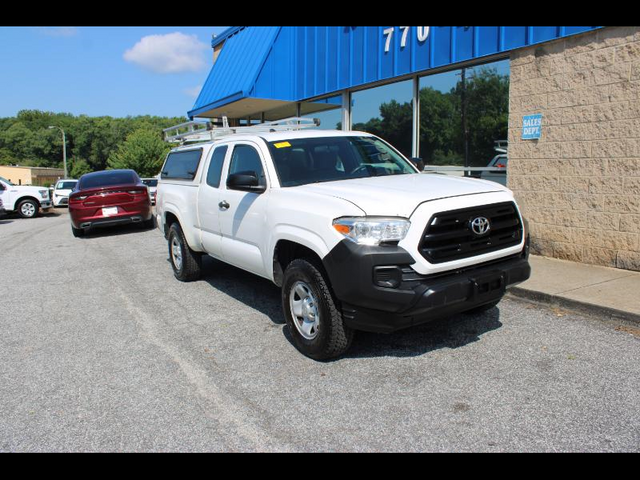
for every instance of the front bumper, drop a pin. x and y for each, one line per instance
(58, 201)
(381, 293)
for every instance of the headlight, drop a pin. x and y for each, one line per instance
(371, 230)
(44, 193)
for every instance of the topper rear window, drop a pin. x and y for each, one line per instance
(182, 165)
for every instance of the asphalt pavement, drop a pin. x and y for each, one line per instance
(102, 349)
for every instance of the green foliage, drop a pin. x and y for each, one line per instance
(143, 151)
(91, 141)
(79, 167)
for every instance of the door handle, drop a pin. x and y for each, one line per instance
(223, 205)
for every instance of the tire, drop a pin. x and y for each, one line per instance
(311, 312)
(186, 264)
(28, 208)
(77, 232)
(149, 224)
(484, 308)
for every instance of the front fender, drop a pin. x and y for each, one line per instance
(302, 236)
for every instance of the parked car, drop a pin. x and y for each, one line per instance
(62, 190)
(25, 200)
(350, 230)
(2, 212)
(107, 198)
(499, 161)
(152, 183)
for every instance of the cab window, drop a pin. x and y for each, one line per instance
(215, 166)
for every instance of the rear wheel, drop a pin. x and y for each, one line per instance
(312, 313)
(186, 263)
(77, 232)
(28, 208)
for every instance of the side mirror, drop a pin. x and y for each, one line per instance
(245, 181)
(418, 162)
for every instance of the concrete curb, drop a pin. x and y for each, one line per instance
(571, 304)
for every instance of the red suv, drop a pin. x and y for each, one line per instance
(109, 197)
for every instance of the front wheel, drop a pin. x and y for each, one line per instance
(313, 318)
(28, 208)
(185, 262)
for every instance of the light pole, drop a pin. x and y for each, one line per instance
(64, 150)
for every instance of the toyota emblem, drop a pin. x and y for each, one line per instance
(480, 225)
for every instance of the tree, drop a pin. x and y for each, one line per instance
(79, 167)
(26, 140)
(142, 151)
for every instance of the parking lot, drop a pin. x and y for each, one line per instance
(103, 350)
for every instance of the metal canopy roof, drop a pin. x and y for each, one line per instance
(268, 69)
(234, 73)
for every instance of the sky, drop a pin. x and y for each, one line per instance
(104, 71)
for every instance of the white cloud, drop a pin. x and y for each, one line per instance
(193, 91)
(58, 31)
(170, 53)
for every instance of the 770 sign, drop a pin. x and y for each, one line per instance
(421, 33)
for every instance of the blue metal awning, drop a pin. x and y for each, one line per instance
(269, 69)
(234, 73)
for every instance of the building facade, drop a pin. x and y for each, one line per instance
(565, 101)
(41, 176)
(579, 183)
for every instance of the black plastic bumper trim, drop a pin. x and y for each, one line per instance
(418, 298)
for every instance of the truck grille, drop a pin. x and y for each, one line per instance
(449, 235)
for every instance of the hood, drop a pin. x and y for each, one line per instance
(400, 195)
(28, 188)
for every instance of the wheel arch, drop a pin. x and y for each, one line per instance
(294, 242)
(171, 216)
(27, 197)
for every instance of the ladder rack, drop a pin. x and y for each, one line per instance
(199, 131)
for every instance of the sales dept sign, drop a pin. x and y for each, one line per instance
(531, 126)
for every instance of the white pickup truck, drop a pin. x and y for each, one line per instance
(353, 233)
(25, 200)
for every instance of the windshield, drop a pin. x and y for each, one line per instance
(65, 185)
(7, 181)
(311, 160)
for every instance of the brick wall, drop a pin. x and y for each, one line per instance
(579, 184)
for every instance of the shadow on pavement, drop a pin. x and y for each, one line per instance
(114, 230)
(263, 296)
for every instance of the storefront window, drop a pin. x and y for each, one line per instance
(387, 112)
(474, 100)
(327, 110)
